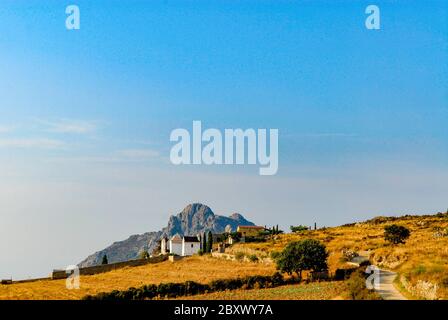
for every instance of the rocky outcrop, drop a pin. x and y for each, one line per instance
(195, 218)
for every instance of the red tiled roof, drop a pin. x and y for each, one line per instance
(251, 227)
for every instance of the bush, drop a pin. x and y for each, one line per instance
(239, 256)
(298, 228)
(255, 239)
(308, 254)
(396, 234)
(357, 287)
(420, 269)
(144, 254)
(444, 282)
(275, 255)
(342, 274)
(172, 290)
(253, 258)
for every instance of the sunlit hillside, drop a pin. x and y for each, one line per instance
(424, 256)
(421, 262)
(199, 269)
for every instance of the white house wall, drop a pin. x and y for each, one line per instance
(176, 248)
(190, 248)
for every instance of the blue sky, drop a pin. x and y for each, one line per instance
(86, 115)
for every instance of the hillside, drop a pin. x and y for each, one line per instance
(193, 219)
(199, 269)
(421, 263)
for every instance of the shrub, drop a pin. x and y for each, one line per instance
(396, 234)
(357, 287)
(172, 290)
(253, 258)
(444, 282)
(420, 269)
(255, 239)
(275, 255)
(239, 255)
(342, 274)
(298, 228)
(144, 254)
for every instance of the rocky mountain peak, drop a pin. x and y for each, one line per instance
(195, 218)
(236, 216)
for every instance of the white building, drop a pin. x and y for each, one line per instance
(181, 246)
(190, 246)
(176, 245)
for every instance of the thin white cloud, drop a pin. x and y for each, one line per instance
(329, 135)
(39, 143)
(120, 156)
(69, 126)
(6, 129)
(138, 154)
(320, 135)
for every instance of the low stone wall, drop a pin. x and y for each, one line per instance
(31, 280)
(61, 274)
(223, 255)
(228, 256)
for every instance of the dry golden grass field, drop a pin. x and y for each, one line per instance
(199, 269)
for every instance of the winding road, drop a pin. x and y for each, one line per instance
(387, 289)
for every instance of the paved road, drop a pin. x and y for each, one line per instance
(387, 289)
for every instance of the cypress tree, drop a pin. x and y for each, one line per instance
(209, 242)
(204, 243)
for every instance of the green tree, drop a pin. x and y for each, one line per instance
(299, 228)
(204, 243)
(209, 242)
(144, 254)
(298, 256)
(396, 234)
(104, 261)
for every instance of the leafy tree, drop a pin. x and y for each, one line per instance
(396, 234)
(308, 254)
(144, 255)
(104, 261)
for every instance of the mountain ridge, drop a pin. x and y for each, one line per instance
(193, 219)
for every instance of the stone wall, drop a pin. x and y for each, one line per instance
(61, 274)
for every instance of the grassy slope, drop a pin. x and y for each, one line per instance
(423, 257)
(200, 269)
